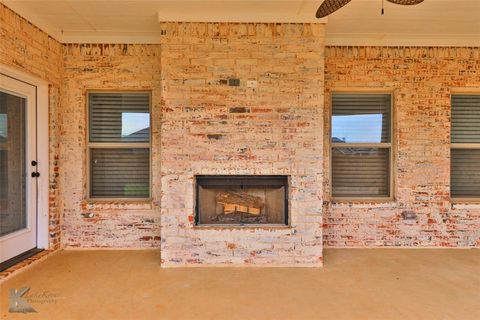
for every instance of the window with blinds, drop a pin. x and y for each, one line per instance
(361, 145)
(119, 144)
(465, 147)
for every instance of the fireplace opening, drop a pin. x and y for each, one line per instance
(241, 200)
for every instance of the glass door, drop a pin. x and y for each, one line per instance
(18, 174)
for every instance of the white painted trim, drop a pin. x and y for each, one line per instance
(23, 10)
(43, 148)
(401, 40)
(385, 40)
(42, 152)
(288, 11)
(111, 37)
(261, 14)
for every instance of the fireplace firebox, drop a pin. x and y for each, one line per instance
(241, 200)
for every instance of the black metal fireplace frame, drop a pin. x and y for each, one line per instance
(243, 181)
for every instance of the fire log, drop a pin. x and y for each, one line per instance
(240, 202)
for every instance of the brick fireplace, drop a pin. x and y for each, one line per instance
(242, 99)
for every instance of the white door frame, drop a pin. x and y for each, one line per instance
(25, 237)
(43, 148)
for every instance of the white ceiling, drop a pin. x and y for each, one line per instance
(433, 22)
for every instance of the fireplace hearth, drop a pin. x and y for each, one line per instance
(241, 200)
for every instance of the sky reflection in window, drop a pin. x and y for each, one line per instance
(135, 124)
(357, 128)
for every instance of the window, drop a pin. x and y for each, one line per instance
(465, 147)
(119, 145)
(361, 143)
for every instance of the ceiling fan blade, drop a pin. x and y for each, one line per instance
(406, 2)
(330, 6)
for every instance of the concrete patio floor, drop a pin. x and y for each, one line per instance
(354, 284)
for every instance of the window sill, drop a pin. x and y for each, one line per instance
(465, 203)
(117, 204)
(364, 203)
(243, 227)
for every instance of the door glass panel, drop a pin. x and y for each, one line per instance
(13, 211)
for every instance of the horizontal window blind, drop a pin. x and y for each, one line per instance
(119, 116)
(360, 172)
(120, 172)
(465, 173)
(465, 119)
(361, 118)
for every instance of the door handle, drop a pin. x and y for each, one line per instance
(35, 174)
